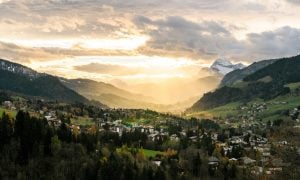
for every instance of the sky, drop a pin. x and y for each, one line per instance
(144, 40)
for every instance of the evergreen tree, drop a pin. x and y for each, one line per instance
(6, 130)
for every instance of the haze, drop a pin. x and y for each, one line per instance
(153, 47)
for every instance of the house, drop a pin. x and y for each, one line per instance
(157, 162)
(8, 105)
(174, 137)
(52, 119)
(100, 122)
(233, 159)
(214, 136)
(213, 161)
(193, 138)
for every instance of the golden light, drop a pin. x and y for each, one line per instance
(129, 43)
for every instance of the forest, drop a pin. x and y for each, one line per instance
(31, 149)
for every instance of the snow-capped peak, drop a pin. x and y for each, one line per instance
(224, 66)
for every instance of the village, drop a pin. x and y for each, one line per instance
(247, 147)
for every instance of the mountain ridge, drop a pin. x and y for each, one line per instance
(238, 75)
(266, 83)
(24, 80)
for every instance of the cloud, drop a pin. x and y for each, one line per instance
(108, 69)
(281, 42)
(60, 24)
(22, 54)
(18, 53)
(294, 2)
(4, 1)
(63, 18)
(196, 29)
(105, 18)
(178, 37)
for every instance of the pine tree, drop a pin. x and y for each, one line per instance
(6, 130)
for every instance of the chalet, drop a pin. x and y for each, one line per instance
(214, 136)
(233, 159)
(52, 119)
(174, 137)
(227, 149)
(193, 138)
(183, 133)
(213, 162)
(9, 105)
(157, 162)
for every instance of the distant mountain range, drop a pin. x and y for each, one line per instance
(115, 97)
(20, 79)
(108, 94)
(224, 66)
(264, 80)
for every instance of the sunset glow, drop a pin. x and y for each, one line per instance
(145, 41)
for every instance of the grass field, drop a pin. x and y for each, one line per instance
(273, 112)
(147, 152)
(82, 121)
(293, 86)
(222, 111)
(151, 153)
(11, 113)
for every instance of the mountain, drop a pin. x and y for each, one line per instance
(266, 83)
(90, 88)
(239, 74)
(108, 94)
(19, 69)
(23, 80)
(116, 97)
(224, 66)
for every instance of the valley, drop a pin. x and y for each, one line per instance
(249, 132)
(149, 90)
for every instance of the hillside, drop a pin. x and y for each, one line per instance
(239, 74)
(116, 97)
(90, 88)
(266, 84)
(108, 94)
(23, 80)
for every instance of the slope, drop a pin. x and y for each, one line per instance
(239, 74)
(21, 79)
(266, 84)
